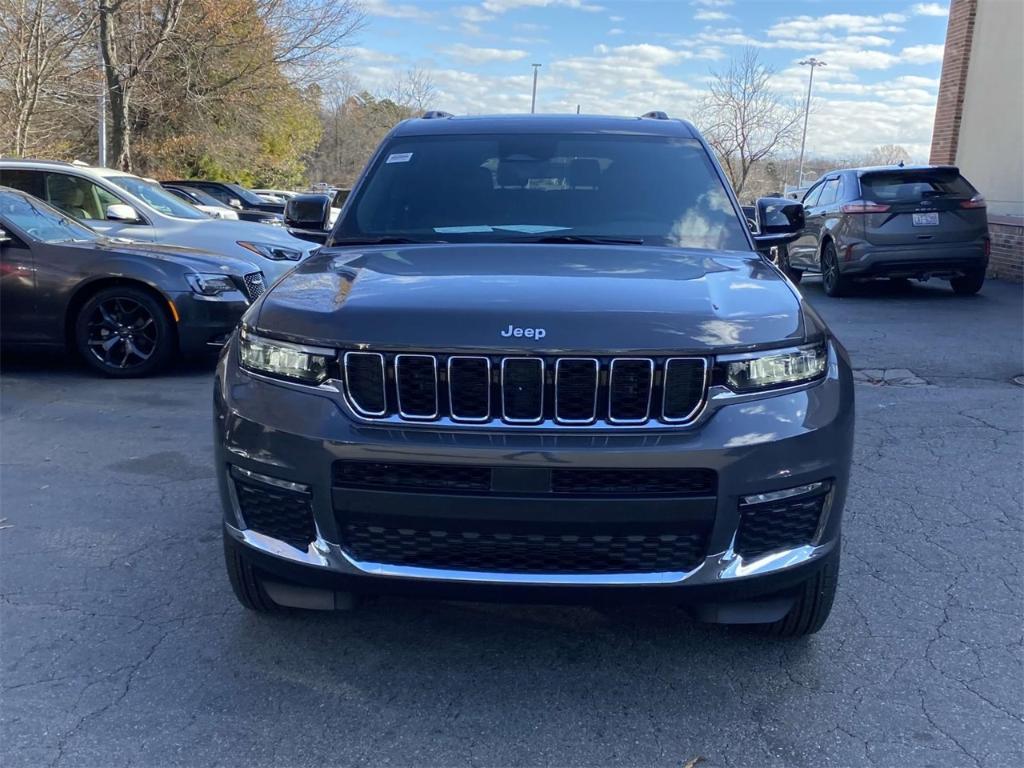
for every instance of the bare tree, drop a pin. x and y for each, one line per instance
(744, 119)
(887, 154)
(133, 34)
(40, 46)
(414, 90)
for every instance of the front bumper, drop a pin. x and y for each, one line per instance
(942, 260)
(206, 323)
(296, 435)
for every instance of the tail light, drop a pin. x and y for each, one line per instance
(863, 206)
(975, 202)
(988, 247)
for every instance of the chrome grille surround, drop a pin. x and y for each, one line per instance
(476, 382)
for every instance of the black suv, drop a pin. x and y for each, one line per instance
(539, 358)
(892, 221)
(233, 195)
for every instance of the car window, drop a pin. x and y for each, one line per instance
(76, 196)
(26, 180)
(489, 188)
(915, 186)
(40, 221)
(157, 197)
(811, 198)
(828, 193)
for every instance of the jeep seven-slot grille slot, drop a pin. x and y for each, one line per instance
(526, 390)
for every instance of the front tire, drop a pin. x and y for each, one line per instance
(246, 584)
(831, 279)
(813, 604)
(969, 284)
(782, 261)
(124, 332)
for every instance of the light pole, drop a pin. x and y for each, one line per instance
(101, 109)
(812, 63)
(533, 100)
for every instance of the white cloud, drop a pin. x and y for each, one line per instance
(369, 55)
(616, 19)
(922, 54)
(929, 9)
(811, 27)
(712, 3)
(501, 6)
(472, 13)
(396, 11)
(710, 16)
(616, 31)
(483, 55)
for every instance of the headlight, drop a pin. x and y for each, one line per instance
(272, 251)
(775, 369)
(279, 358)
(211, 285)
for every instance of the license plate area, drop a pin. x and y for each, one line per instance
(930, 219)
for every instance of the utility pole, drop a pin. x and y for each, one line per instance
(533, 101)
(812, 63)
(101, 106)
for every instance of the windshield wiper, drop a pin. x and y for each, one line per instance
(380, 241)
(581, 240)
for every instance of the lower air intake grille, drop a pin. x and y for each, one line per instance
(634, 482)
(467, 550)
(778, 525)
(412, 477)
(279, 513)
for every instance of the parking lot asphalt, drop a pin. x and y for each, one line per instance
(121, 643)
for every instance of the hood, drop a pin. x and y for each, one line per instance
(193, 258)
(522, 297)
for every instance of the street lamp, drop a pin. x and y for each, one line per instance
(533, 101)
(812, 63)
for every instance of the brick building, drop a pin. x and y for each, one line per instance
(979, 117)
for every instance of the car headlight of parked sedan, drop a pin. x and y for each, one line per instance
(279, 359)
(272, 251)
(206, 284)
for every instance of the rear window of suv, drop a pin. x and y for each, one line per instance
(494, 188)
(914, 186)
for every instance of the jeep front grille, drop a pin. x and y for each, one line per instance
(525, 390)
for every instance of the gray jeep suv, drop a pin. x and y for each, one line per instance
(539, 358)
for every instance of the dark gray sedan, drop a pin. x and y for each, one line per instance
(895, 222)
(127, 308)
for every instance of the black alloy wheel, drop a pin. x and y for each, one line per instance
(831, 278)
(782, 262)
(124, 332)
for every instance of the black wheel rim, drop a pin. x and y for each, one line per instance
(831, 268)
(121, 333)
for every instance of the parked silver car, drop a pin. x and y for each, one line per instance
(119, 204)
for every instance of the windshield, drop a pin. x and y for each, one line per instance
(203, 198)
(41, 222)
(500, 188)
(157, 197)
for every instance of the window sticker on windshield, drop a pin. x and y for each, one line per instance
(399, 157)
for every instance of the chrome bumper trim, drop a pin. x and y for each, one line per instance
(724, 566)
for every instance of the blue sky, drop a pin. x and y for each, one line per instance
(629, 56)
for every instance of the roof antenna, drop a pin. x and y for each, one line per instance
(901, 163)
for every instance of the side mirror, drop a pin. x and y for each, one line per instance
(234, 202)
(122, 212)
(4, 237)
(308, 212)
(779, 221)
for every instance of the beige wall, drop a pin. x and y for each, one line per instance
(990, 152)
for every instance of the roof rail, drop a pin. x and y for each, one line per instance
(38, 160)
(436, 114)
(654, 114)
